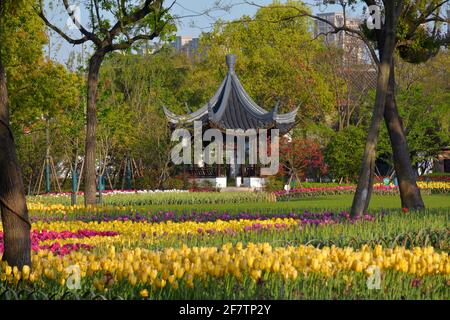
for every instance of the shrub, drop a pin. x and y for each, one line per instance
(274, 184)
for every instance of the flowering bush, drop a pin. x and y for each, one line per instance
(300, 157)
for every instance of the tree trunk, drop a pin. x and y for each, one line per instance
(365, 183)
(14, 212)
(409, 191)
(91, 124)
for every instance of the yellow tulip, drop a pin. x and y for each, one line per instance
(143, 293)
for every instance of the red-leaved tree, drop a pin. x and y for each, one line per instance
(301, 158)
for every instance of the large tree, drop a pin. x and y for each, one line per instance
(14, 34)
(417, 39)
(406, 28)
(386, 47)
(112, 26)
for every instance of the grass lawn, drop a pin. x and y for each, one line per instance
(334, 203)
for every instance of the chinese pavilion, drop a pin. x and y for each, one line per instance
(232, 108)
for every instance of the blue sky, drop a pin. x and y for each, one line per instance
(185, 7)
(193, 26)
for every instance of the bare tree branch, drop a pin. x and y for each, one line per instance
(425, 17)
(123, 8)
(99, 19)
(127, 44)
(90, 35)
(138, 15)
(41, 14)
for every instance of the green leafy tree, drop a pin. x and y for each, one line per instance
(52, 102)
(133, 89)
(277, 61)
(113, 26)
(423, 105)
(425, 135)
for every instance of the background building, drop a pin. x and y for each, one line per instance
(187, 45)
(353, 47)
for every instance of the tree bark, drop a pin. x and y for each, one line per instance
(409, 191)
(91, 125)
(365, 183)
(14, 212)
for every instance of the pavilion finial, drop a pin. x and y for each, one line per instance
(231, 61)
(277, 107)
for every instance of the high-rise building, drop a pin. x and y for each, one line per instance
(186, 44)
(354, 48)
(194, 45)
(181, 41)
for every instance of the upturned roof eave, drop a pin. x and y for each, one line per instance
(213, 112)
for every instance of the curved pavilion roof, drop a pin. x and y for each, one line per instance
(232, 108)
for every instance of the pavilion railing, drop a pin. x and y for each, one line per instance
(215, 171)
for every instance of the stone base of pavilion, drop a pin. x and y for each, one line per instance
(240, 183)
(237, 189)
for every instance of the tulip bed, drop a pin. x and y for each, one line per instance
(427, 188)
(162, 198)
(120, 252)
